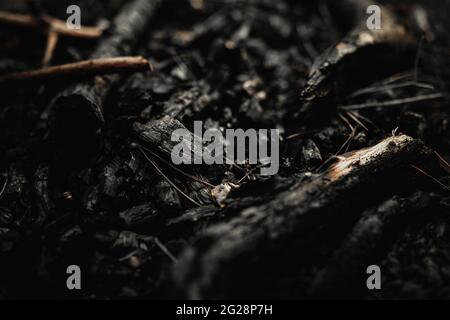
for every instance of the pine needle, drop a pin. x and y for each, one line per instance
(4, 186)
(164, 249)
(167, 179)
(349, 139)
(441, 158)
(391, 103)
(346, 121)
(383, 88)
(431, 177)
(179, 170)
(351, 115)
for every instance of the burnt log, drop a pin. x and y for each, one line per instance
(241, 252)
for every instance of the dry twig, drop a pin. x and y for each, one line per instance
(52, 41)
(52, 27)
(81, 68)
(53, 24)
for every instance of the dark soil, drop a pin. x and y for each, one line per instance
(79, 186)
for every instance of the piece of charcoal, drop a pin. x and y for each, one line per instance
(143, 217)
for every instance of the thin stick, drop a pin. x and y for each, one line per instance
(349, 139)
(164, 249)
(4, 186)
(81, 68)
(351, 115)
(441, 158)
(359, 116)
(326, 162)
(52, 41)
(391, 103)
(56, 25)
(391, 87)
(431, 177)
(346, 121)
(168, 180)
(299, 134)
(247, 174)
(129, 255)
(397, 77)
